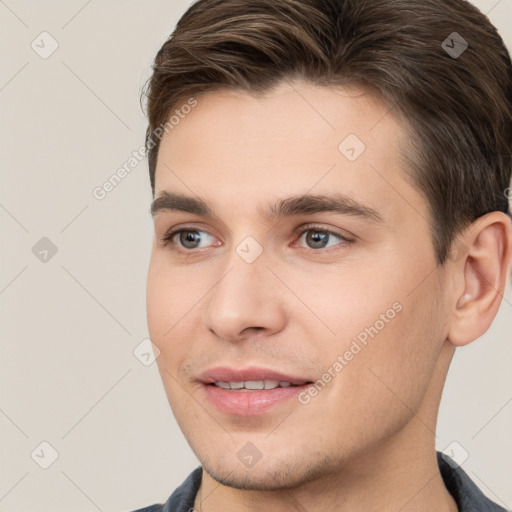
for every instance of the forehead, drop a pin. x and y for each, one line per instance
(234, 148)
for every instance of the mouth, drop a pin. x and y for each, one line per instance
(251, 391)
(253, 385)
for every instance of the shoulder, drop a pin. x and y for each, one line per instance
(467, 495)
(182, 499)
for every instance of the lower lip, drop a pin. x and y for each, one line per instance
(250, 403)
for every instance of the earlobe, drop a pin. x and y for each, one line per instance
(481, 277)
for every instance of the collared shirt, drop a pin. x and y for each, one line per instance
(466, 494)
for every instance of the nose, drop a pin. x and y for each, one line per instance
(245, 302)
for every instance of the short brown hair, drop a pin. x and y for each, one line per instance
(458, 108)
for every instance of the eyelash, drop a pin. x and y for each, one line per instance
(166, 240)
(319, 229)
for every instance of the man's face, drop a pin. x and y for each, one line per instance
(267, 288)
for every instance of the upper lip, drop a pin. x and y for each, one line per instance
(226, 374)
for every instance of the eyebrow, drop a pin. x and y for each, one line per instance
(306, 204)
(169, 201)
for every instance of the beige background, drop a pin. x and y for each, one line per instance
(69, 326)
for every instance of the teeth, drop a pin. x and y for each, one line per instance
(253, 384)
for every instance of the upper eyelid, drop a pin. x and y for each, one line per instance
(171, 233)
(301, 229)
(191, 227)
(344, 239)
(305, 229)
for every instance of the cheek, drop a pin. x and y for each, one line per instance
(388, 338)
(170, 294)
(169, 306)
(397, 363)
(348, 300)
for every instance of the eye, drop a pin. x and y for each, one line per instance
(320, 238)
(188, 239)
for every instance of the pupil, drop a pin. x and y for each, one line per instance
(189, 239)
(317, 239)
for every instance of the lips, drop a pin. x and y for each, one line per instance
(250, 391)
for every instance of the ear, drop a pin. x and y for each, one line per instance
(480, 270)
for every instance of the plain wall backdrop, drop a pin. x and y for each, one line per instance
(73, 271)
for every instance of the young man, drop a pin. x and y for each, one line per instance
(330, 184)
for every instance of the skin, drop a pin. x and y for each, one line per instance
(366, 441)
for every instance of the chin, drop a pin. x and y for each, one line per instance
(267, 477)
